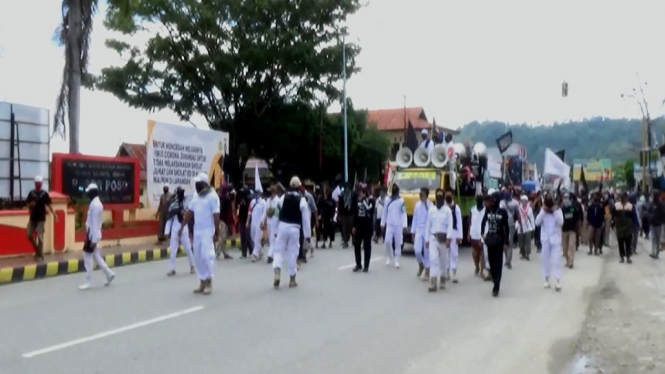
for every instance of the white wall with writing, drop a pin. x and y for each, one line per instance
(175, 154)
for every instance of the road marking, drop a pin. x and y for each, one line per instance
(354, 265)
(111, 332)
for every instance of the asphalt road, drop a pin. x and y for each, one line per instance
(336, 321)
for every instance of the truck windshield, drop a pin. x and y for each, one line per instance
(412, 181)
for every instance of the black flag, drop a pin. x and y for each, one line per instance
(411, 140)
(562, 155)
(583, 179)
(504, 141)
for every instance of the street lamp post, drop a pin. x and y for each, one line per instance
(346, 139)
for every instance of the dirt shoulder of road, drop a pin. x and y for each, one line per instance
(624, 332)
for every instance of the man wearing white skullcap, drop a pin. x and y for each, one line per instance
(426, 142)
(293, 216)
(204, 210)
(93, 226)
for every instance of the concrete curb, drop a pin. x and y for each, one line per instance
(54, 268)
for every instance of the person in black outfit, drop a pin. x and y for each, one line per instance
(363, 228)
(39, 201)
(318, 199)
(328, 219)
(346, 213)
(497, 237)
(243, 230)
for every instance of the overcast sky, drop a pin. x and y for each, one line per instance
(462, 61)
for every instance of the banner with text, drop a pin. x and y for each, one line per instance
(176, 154)
(594, 169)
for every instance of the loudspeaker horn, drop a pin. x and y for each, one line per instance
(421, 157)
(404, 158)
(460, 149)
(480, 149)
(440, 156)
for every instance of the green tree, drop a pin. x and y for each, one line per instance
(74, 33)
(235, 62)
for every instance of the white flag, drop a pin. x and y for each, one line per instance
(257, 181)
(536, 177)
(554, 165)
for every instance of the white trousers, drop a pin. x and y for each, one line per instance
(287, 245)
(172, 228)
(551, 257)
(204, 254)
(486, 257)
(257, 235)
(422, 253)
(438, 256)
(394, 232)
(88, 264)
(454, 254)
(272, 238)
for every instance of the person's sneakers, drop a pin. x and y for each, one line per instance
(509, 266)
(527, 257)
(495, 293)
(589, 253)
(270, 259)
(109, 279)
(278, 276)
(433, 287)
(323, 246)
(357, 269)
(200, 288)
(621, 261)
(292, 282)
(547, 284)
(557, 286)
(396, 264)
(227, 257)
(388, 261)
(454, 276)
(365, 270)
(442, 283)
(170, 273)
(85, 286)
(207, 289)
(421, 268)
(655, 257)
(629, 261)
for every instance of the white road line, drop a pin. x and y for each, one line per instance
(111, 332)
(354, 265)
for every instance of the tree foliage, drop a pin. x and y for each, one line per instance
(241, 64)
(616, 139)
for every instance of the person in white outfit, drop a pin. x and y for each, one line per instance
(393, 224)
(175, 216)
(550, 220)
(476, 219)
(418, 223)
(293, 216)
(439, 224)
(272, 221)
(426, 142)
(257, 216)
(454, 236)
(524, 226)
(93, 226)
(204, 210)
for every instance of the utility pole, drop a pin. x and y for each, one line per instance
(346, 138)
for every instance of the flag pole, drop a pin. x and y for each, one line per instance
(405, 121)
(346, 139)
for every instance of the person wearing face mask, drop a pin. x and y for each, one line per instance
(257, 211)
(511, 207)
(625, 219)
(294, 216)
(93, 227)
(362, 229)
(496, 236)
(477, 213)
(39, 201)
(393, 225)
(524, 226)
(173, 222)
(596, 221)
(439, 224)
(272, 221)
(455, 237)
(418, 223)
(204, 210)
(550, 219)
(571, 220)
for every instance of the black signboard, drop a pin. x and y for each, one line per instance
(115, 180)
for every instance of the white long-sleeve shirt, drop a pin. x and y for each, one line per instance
(439, 220)
(95, 219)
(204, 209)
(419, 219)
(257, 211)
(394, 213)
(476, 223)
(526, 223)
(427, 144)
(459, 232)
(550, 225)
(273, 202)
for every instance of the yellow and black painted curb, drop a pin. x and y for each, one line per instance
(75, 265)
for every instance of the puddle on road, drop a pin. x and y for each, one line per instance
(582, 364)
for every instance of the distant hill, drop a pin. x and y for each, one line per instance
(616, 139)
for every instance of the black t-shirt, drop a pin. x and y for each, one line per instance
(41, 199)
(571, 216)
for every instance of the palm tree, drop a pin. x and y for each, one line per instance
(74, 34)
